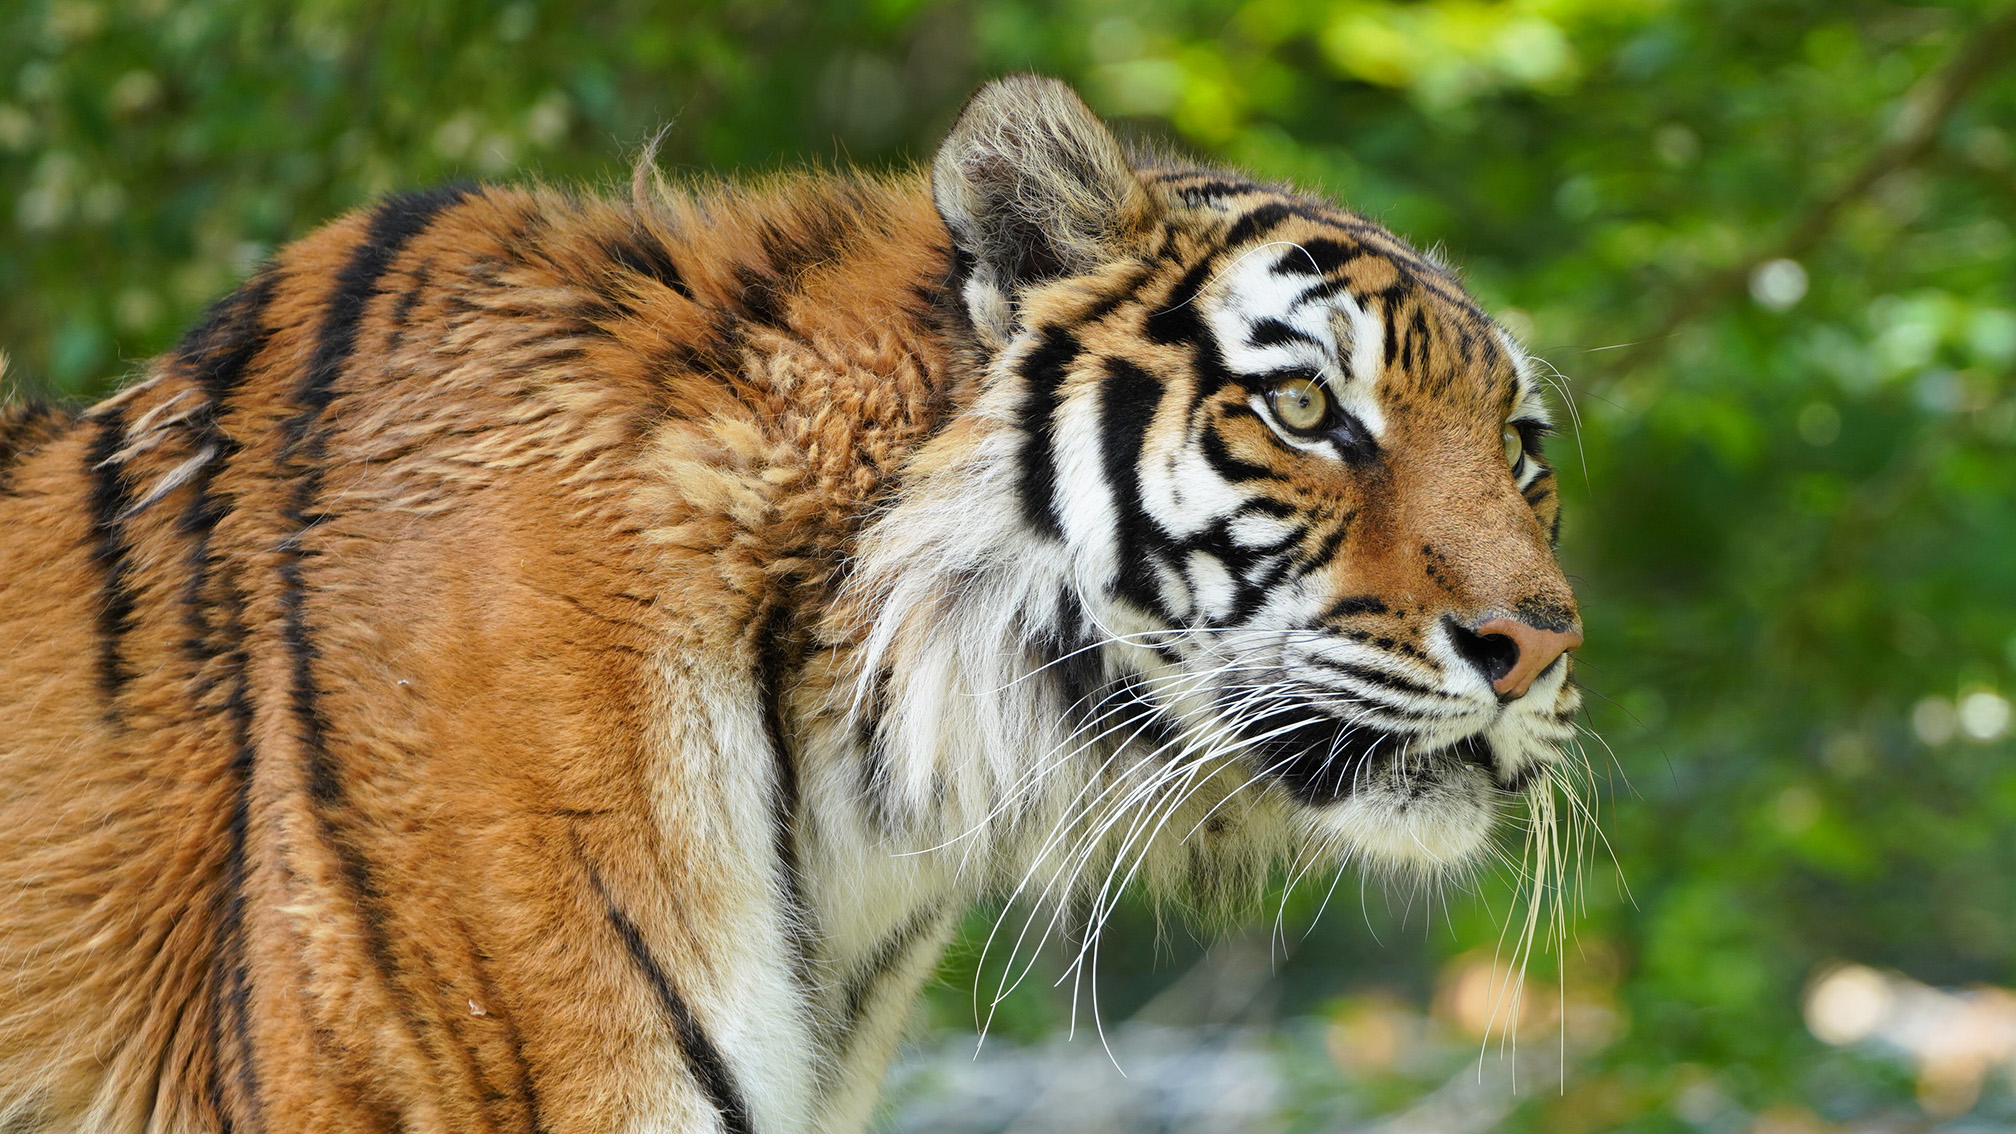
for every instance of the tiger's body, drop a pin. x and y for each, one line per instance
(530, 663)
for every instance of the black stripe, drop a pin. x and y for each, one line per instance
(1325, 290)
(1134, 712)
(959, 264)
(772, 660)
(230, 961)
(1379, 678)
(773, 665)
(1069, 660)
(1129, 399)
(875, 777)
(1178, 320)
(822, 239)
(1437, 283)
(1225, 187)
(762, 297)
(888, 953)
(218, 351)
(421, 282)
(1207, 365)
(1205, 191)
(1416, 353)
(110, 499)
(1328, 548)
(1273, 332)
(1253, 591)
(646, 255)
(423, 278)
(26, 427)
(1317, 257)
(215, 356)
(1257, 223)
(396, 221)
(1118, 294)
(1351, 605)
(1042, 371)
(230, 1020)
(218, 650)
(492, 1099)
(1216, 539)
(1235, 470)
(1267, 506)
(709, 1069)
(305, 439)
(501, 1012)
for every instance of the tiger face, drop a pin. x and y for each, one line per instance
(1291, 472)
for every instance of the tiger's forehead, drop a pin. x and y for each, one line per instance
(1298, 285)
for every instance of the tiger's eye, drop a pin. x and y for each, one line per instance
(1301, 404)
(1515, 447)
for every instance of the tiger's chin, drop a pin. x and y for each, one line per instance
(1428, 816)
(1390, 804)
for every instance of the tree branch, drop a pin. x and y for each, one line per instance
(1926, 109)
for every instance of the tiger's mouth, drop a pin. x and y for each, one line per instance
(1323, 760)
(1391, 800)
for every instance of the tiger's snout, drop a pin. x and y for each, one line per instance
(1510, 653)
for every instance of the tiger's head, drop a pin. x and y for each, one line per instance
(1250, 495)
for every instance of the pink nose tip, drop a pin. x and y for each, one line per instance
(1536, 650)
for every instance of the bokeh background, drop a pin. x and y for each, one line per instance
(1768, 244)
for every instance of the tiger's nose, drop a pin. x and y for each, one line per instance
(1511, 654)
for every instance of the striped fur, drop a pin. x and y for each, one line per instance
(534, 663)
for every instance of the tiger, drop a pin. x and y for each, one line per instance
(536, 660)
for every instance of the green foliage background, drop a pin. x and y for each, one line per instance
(1789, 488)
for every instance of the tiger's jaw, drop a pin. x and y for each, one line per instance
(1423, 800)
(1388, 800)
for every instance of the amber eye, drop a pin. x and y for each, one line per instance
(1515, 447)
(1300, 404)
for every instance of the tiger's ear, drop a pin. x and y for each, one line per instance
(1033, 187)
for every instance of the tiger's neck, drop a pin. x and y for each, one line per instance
(946, 730)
